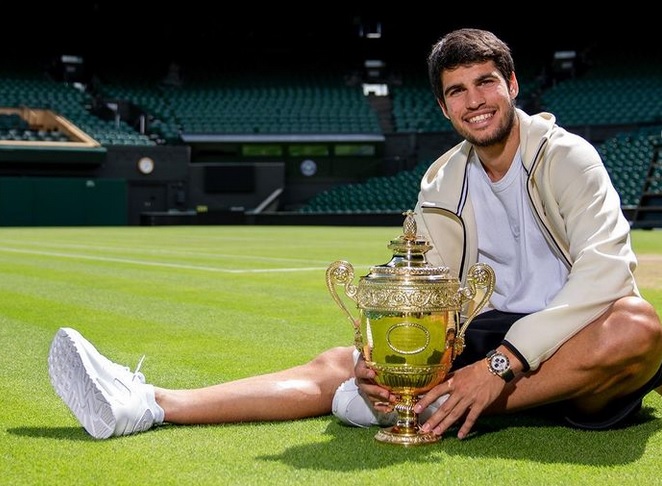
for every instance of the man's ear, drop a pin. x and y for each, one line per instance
(513, 86)
(443, 108)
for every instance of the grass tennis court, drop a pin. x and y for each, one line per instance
(213, 303)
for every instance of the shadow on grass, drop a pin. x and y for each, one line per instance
(62, 433)
(516, 437)
(507, 437)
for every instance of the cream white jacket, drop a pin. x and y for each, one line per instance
(579, 213)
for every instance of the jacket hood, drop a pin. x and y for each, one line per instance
(533, 131)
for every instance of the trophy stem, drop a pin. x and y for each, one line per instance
(407, 430)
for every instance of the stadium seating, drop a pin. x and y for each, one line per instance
(608, 95)
(391, 194)
(292, 102)
(415, 109)
(38, 91)
(629, 158)
(246, 103)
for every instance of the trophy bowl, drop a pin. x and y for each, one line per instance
(409, 327)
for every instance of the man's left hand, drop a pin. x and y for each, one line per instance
(471, 390)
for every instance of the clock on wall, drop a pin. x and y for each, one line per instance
(146, 165)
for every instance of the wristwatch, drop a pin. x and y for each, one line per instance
(499, 364)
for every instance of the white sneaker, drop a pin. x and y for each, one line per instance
(106, 398)
(351, 408)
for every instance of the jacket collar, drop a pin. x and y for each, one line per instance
(534, 130)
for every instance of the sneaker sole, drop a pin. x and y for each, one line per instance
(67, 367)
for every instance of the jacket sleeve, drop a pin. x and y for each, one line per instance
(581, 211)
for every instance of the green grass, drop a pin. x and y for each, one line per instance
(214, 303)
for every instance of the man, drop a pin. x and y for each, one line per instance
(566, 327)
(535, 203)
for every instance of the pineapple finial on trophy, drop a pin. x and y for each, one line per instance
(409, 228)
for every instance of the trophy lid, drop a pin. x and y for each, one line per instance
(409, 251)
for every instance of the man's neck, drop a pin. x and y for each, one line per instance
(497, 159)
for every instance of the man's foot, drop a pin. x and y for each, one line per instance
(106, 398)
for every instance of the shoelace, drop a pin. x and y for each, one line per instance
(137, 373)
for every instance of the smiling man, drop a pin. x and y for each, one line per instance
(566, 327)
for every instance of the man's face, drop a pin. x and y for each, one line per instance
(479, 103)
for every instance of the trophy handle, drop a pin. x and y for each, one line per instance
(480, 277)
(342, 273)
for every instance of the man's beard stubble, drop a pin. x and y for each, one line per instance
(500, 135)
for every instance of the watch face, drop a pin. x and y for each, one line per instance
(499, 363)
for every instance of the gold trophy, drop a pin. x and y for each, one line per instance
(409, 329)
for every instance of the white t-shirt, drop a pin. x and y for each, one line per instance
(528, 273)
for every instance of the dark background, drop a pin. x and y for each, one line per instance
(152, 34)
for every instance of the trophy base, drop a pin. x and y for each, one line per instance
(406, 436)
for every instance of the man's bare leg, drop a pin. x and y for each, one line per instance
(110, 400)
(302, 391)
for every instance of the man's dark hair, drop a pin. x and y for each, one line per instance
(463, 47)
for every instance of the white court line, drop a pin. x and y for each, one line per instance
(155, 251)
(161, 264)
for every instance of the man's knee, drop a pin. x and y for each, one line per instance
(626, 341)
(330, 368)
(337, 358)
(637, 322)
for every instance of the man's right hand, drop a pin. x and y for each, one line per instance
(381, 399)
